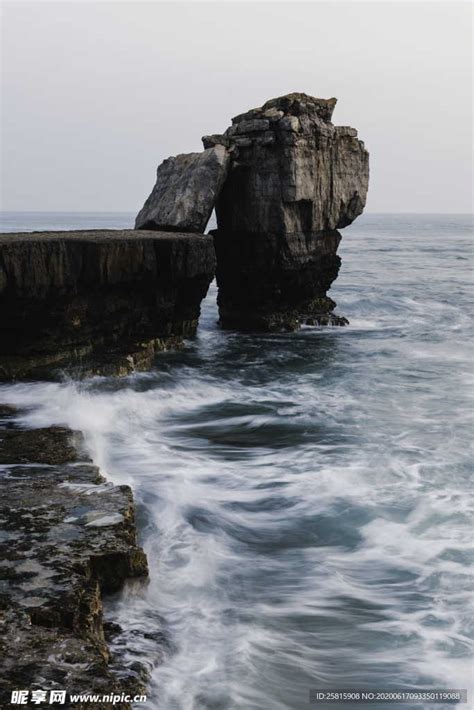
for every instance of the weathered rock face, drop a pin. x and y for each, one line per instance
(185, 192)
(294, 179)
(67, 538)
(103, 300)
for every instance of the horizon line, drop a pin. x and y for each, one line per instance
(86, 211)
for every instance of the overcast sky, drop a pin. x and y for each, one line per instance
(95, 95)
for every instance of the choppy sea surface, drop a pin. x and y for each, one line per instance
(304, 498)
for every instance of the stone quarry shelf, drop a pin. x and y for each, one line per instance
(68, 536)
(103, 301)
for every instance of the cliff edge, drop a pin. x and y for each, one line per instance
(101, 301)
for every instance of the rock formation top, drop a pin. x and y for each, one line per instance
(295, 104)
(302, 173)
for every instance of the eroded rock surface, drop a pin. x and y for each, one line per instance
(105, 301)
(294, 180)
(67, 537)
(185, 192)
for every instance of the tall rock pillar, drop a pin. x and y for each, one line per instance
(294, 180)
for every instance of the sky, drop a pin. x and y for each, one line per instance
(96, 94)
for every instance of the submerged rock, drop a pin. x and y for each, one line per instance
(185, 192)
(67, 537)
(103, 301)
(294, 180)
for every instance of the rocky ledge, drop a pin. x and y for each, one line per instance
(101, 301)
(67, 538)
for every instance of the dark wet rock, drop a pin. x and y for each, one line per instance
(53, 445)
(67, 537)
(294, 180)
(102, 301)
(185, 192)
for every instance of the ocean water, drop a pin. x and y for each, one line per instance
(304, 498)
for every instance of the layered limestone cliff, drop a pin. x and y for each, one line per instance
(294, 180)
(105, 301)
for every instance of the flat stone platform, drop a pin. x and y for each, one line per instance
(101, 235)
(104, 301)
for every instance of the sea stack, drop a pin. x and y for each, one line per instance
(294, 180)
(283, 180)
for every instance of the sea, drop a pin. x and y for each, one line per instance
(304, 499)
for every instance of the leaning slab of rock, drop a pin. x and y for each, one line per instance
(185, 192)
(67, 537)
(294, 180)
